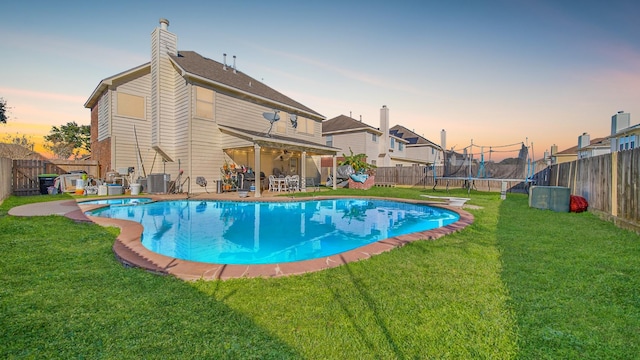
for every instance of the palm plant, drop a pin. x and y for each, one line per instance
(357, 161)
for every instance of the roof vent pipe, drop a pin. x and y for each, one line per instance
(234, 64)
(224, 62)
(164, 23)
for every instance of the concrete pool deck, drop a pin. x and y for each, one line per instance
(129, 250)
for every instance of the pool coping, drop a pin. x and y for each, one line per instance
(128, 248)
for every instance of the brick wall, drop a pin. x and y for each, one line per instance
(100, 150)
(367, 184)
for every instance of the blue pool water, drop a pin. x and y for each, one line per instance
(228, 232)
(123, 201)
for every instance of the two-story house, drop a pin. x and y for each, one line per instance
(383, 146)
(418, 149)
(587, 148)
(185, 116)
(623, 136)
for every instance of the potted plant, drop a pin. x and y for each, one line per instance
(358, 162)
(363, 178)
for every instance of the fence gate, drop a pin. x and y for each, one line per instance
(25, 175)
(25, 172)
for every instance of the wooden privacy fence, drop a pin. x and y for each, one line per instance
(609, 182)
(25, 173)
(5, 178)
(424, 176)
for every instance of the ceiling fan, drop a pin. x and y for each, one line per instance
(284, 155)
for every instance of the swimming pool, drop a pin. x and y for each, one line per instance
(226, 232)
(122, 201)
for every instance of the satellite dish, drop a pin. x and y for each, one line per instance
(294, 120)
(272, 117)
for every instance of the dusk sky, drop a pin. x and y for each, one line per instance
(497, 72)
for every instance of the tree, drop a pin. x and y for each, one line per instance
(3, 111)
(20, 147)
(21, 140)
(69, 139)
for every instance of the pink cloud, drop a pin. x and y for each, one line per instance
(39, 95)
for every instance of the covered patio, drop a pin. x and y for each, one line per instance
(254, 154)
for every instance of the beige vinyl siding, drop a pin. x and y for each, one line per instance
(356, 141)
(317, 131)
(421, 153)
(123, 142)
(104, 116)
(372, 148)
(163, 90)
(206, 154)
(179, 124)
(167, 105)
(241, 114)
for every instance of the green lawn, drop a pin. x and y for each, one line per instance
(518, 283)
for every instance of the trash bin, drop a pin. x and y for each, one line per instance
(135, 189)
(45, 181)
(219, 186)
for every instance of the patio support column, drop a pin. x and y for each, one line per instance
(303, 171)
(335, 171)
(258, 181)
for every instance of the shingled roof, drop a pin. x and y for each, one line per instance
(574, 149)
(413, 138)
(199, 66)
(344, 123)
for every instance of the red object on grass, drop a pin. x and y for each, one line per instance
(577, 204)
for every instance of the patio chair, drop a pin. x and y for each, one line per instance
(294, 182)
(272, 183)
(286, 184)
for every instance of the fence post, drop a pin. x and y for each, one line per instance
(614, 183)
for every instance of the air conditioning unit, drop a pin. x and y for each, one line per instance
(554, 198)
(158, 183)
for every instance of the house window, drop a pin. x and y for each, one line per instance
(310, 126)
(392, 143)
(374, 137)
(632, 141)
(130, 105)
(329, 140)
(373, 162)
(305, 126)
(624, 143)
(204, 103)
(400, 146)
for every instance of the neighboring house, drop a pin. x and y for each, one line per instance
(418, 149)
(623, 136)
(185, 115)
(383, 146)
(587, 148)
(571, 154)
(346, 134)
